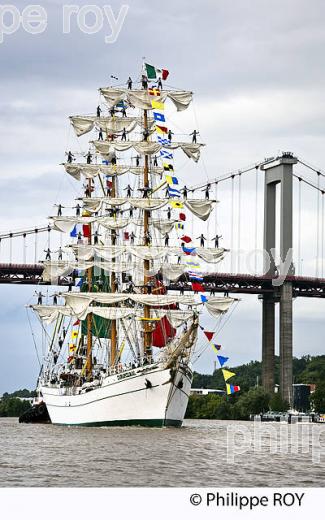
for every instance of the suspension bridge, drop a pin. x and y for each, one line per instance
(274, 282)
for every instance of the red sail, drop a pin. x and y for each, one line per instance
(162, 333)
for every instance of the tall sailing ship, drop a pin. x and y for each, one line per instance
(123, 335)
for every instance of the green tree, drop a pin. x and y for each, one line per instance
(318, 398)
(277, 404)
(255, 401)
(13, 407)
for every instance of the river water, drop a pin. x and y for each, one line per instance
(195, 455)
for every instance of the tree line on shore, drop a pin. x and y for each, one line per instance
(252, 398)
(12, 406)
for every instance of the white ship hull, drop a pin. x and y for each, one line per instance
(124, 399)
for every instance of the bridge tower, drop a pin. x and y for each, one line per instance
(279, 171)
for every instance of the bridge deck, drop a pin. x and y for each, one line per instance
(29, 274)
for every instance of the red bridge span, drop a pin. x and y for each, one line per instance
(31, 274)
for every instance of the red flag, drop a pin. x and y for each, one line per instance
(186, 239)
(86, 231)
(76, 323)
(182, 216)
(126, 235)
(164, 74)
(162, 129)
(209, 335)
(196, 286)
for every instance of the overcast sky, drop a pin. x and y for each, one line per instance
(257, 70)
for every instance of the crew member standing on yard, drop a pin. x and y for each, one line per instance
(216, 241)
(207, 191)
(123, 138)
(129, 83)
(40, 297)
(70, 157)
(202, 239)
(195, 133)
(59, 206)
(166, 240)
(96, 235)
(89, 158)
(100, 135)
(170, 135)
(128, 190)
(98, 111)
(48, 254)
(60, 253)
(144, 82)
(132, 237)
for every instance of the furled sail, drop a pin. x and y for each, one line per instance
(90, 171)
(192, 150)
(80, 302)
(111, 125)
(200, 208)
(85, 252)
(141, 99)
(50, 313)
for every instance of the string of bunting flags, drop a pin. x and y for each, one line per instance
(173, 192)
(227, 374)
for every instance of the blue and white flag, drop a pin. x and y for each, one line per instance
(173, 192)
(166, 155)
(163, 141)
(158, 116)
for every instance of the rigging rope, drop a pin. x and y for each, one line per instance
(232, 226)
(256, 208)
(299, 229)
(317, 229)
(322, 236)
(239, 222)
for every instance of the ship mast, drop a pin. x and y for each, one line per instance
(113, 289)
(89, 359)
(147, 339)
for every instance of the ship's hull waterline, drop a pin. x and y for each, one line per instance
(143, 397)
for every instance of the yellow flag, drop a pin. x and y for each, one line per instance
(86, 213)
(74, 334)
(227, 374)
(228, 389)
(161, 129)
(176, 205)
(169, 180)
(158, 105)
(72, 347)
